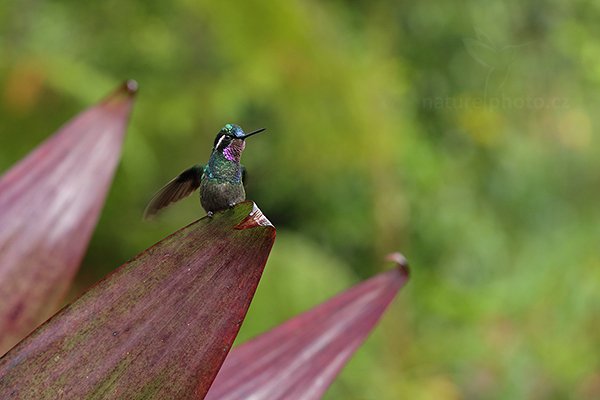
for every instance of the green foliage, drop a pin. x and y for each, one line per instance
(461, 134)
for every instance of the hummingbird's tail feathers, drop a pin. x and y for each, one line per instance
(179, 187)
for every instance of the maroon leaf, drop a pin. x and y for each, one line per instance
(300, 358)
(158, 328)
(49, 206)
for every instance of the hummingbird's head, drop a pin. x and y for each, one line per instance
(230, 141)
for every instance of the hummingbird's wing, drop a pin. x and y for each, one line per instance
(179, 187)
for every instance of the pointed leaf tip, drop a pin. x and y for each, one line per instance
(401, 261)
(131, 86)
(122, 97)
(255, 218)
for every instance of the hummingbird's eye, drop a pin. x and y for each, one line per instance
(222, 141)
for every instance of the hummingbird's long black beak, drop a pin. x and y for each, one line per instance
(253, 133)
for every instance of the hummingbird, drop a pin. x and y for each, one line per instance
(221, 180)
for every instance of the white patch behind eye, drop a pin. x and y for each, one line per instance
(219, 142)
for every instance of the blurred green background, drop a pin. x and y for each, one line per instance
(462, 134)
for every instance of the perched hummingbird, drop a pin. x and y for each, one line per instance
(221, 181)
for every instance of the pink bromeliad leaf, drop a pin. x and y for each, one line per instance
(157, 328)
(49, 206)
(300, 358)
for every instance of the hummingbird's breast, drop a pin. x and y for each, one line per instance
(221, 186)
(215, 196)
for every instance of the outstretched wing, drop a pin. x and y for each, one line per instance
(179, 187)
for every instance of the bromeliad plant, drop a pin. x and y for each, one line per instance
(160, 326)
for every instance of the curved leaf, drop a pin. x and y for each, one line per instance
(300, 358)
(159, 327)
(49, 206)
